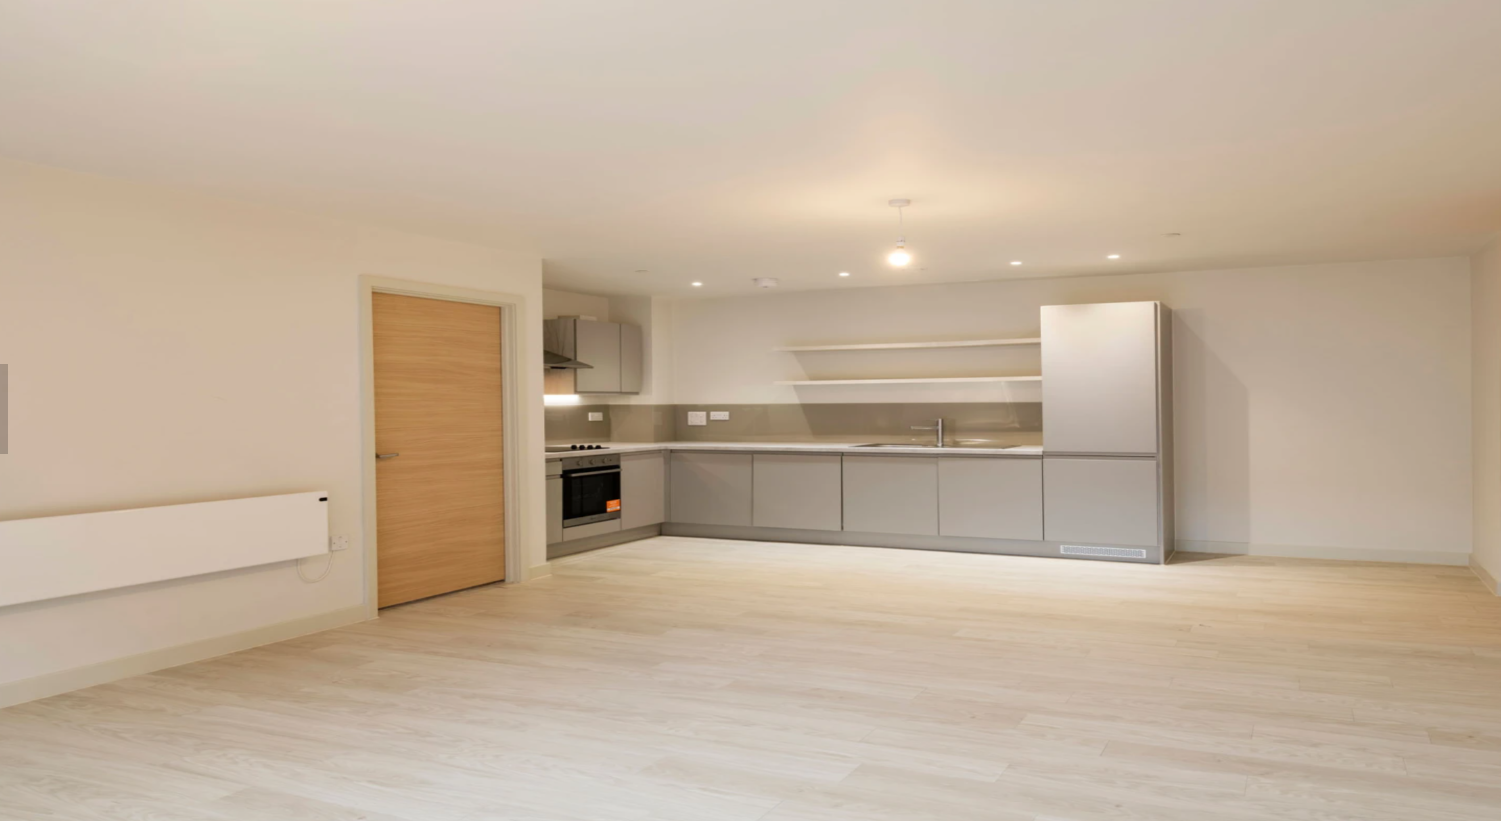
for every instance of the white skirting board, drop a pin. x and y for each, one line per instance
(57, 556)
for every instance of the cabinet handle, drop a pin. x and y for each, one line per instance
(386, 455)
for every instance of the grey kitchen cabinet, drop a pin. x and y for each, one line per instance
(797, 490)
(891, 494)
(1101, 501)
(643, 489)
(597, 344)
(554, 509)
(711, 488)
(571, 534)
(990, 498)
(632, 366)
(1101, 367)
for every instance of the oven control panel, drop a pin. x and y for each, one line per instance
(583, 462)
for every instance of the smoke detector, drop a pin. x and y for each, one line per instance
(765, 282)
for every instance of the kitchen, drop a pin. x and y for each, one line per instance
(1099, 491)
(781, 417)
(794, 461)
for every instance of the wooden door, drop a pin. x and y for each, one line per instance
(440, 511)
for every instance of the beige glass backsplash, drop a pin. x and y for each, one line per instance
(1001, 423)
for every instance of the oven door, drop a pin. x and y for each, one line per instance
(591, 495)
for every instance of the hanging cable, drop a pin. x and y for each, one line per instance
(327, 567)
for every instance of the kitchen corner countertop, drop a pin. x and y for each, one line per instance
(1022, 451)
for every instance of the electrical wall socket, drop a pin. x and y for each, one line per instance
(698, 418)
(719, 416)
(596, 416)
(336, 543)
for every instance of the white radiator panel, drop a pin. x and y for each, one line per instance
(66, 555)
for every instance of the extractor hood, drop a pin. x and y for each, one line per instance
(561, 362)
(558, 344)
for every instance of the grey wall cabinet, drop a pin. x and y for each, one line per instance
(1101, 501)
(990, 498)
(615, 352)
(711, 488)
(891, 494)
(1100, 367)
(643, 489)
(802, 491)
(597, 344)
(632, 361)
(554, 510)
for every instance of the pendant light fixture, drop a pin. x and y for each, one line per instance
(901, 256)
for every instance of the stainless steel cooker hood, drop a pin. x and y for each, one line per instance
(561, 361)
(558, 346)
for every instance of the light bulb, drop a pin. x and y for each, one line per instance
(899, 257)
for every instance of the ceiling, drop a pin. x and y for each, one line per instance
(641, 145)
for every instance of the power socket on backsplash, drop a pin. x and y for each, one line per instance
(596, 416)
(696, 418)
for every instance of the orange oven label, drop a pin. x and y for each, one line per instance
(612, 506)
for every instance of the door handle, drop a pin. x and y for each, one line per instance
(386, 455)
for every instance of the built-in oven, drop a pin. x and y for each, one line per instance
(591, 489)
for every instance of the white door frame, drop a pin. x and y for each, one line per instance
(512, 315)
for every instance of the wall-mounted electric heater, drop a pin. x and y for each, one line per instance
(59, 556)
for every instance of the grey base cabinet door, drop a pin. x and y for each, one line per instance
(990, 498)
(643, 489)
(572, 534)
(800, 491)
(711, 488)
(1100, 501)
(891, 494)
(554, 510)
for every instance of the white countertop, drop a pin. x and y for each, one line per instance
(1032, 451)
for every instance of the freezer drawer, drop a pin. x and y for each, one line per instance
(1101, 501)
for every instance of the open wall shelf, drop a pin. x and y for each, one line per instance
(912, 381)
(898, 346)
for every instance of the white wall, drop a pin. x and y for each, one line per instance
(654, 315)
(166, 347)
(1486, 320)
(1320, 410)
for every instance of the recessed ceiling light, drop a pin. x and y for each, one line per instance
(1016, 262)
(698, 285)
(844, 273)
(1113, 256)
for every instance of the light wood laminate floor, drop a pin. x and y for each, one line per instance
(690, 680)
